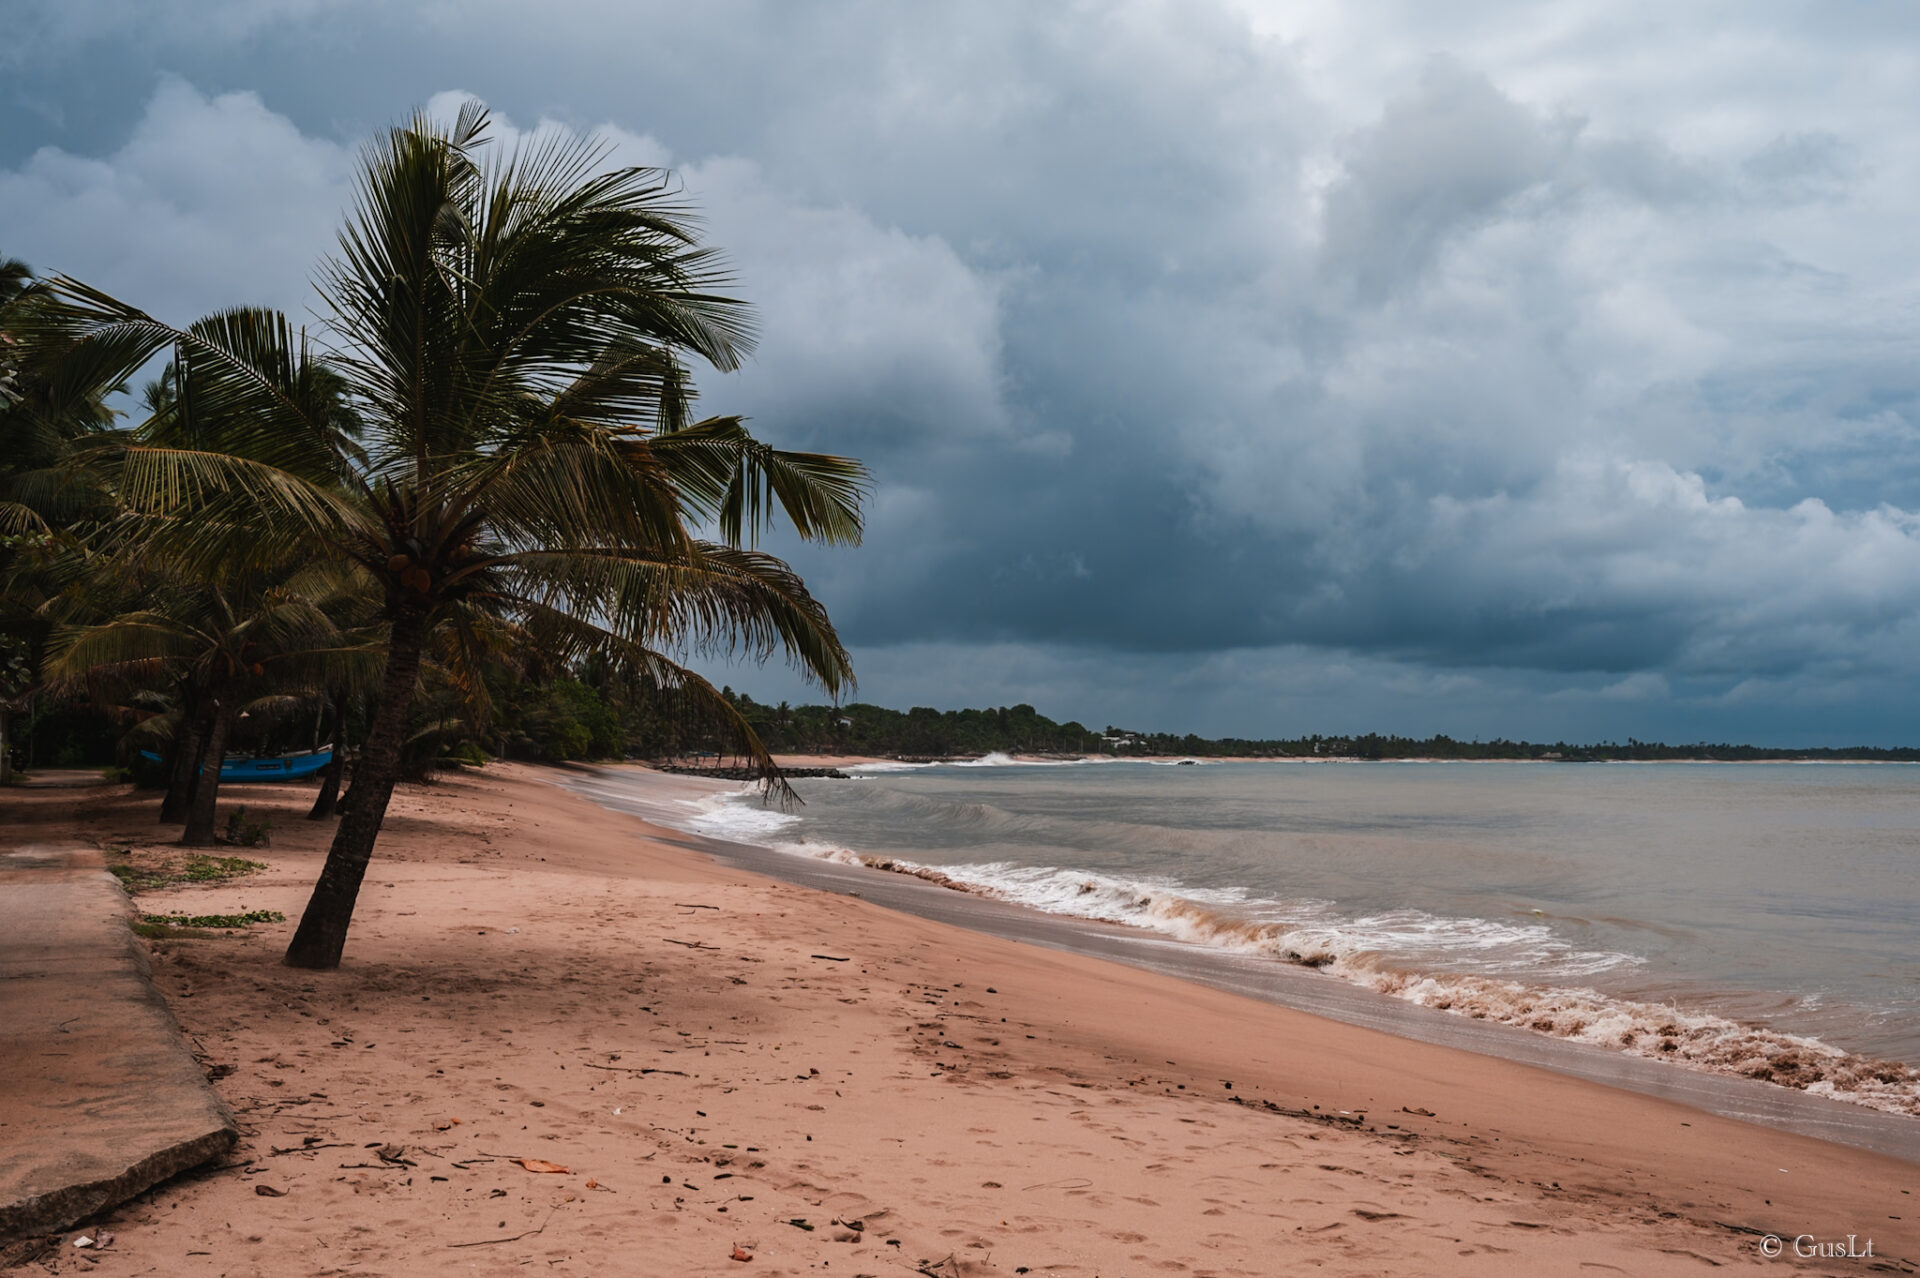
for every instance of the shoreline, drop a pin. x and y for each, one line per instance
(715, 1055)
(1299, 987)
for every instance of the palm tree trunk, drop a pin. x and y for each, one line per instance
(322, 934)
(206, 789)
(187, 740)
(329, 796)
(6, 744)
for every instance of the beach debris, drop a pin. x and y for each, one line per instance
(513, 931)
(83, 1241)
(800, 1222)
(488, 1242)
(1423, 1113)
(831, 958)
(741, 1253)
(268, 1191)
(542, 1165)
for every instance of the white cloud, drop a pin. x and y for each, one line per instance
(212, 202)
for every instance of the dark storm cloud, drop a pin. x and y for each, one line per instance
(1493, 367)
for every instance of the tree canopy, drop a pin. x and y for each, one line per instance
(491, 439)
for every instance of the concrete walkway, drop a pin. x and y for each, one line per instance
(99, 1097)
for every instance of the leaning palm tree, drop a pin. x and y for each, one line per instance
(513, 337)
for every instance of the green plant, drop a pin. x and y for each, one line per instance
(197, 869)
(245, 833)
(210, 869)
(469, 754)
(214, 920)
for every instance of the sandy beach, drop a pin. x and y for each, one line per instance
(563, 1041)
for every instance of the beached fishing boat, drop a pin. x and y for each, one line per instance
(280, 767)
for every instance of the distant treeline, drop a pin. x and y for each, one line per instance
(923, 732)
(585, 713)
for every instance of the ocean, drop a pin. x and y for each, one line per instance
(1759, 920)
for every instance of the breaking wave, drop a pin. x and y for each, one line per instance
(1434, 961)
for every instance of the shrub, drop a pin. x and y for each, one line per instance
(246, 833)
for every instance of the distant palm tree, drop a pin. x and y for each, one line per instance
(512, 338)
(229, 638)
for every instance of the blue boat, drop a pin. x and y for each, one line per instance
(284, 767)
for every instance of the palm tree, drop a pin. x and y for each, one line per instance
(513, 336)
(48, 414)
(226, 639)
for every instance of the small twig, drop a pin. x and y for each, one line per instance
(308, 1149)
(689, 905)
(830, 958)
(627, 1069)
(692, 945)
(488, 1242)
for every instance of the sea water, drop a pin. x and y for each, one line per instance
(1753, 919)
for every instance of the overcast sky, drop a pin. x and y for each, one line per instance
(1240, 368)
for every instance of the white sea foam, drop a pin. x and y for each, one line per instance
(724, 816)
(1446, 963)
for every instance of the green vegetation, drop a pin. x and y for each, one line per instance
(917, 733)
(417, 535)
(177, 927)
(194, 869)
(214, 920)
(927, 733)
(245, 832)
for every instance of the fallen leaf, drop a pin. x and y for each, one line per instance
(268, 1191)
(593, 1184)
(542, 1165)
(741, 1253)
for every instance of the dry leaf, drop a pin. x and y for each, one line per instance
(268, 1191)
(741, 1253)
(542, 1165)
(593, 1184)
